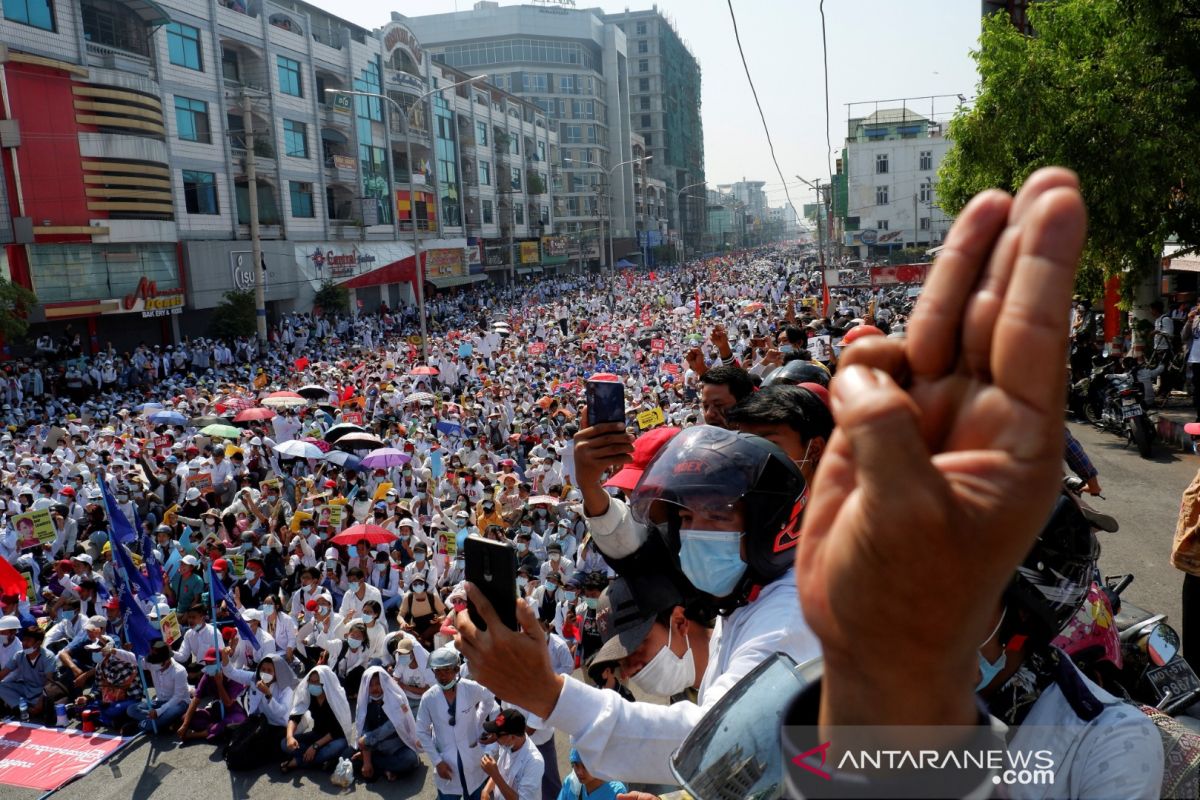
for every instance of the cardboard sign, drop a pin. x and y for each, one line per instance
(237, 564)
(34, 528)
(646, 319)
(648, 419)
(613, 348)
(658, 345)
(536, 348)
(200, 480)
(169, 626)
(673, 369)
(29, 586)
(820, 347)
(337, 515)
(588, 345)
(162, 443)
(353, 417)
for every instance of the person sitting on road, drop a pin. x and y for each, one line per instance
(321, 709)
(387, 741)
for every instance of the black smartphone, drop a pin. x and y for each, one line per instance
(605, 401)
(492, 568)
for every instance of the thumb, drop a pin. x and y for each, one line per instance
(880, 423)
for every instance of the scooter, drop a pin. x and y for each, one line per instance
(1115, 401)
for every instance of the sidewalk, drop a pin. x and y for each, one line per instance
(1169, 422)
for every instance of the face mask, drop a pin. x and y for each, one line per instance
(551, 589)
(449, 684)
(315, 689)
(522, 547)
(97, 657)
(522, 582)
(459, 563)
(419, 558)
(555, 557)
(987, 670)
(418, 587)
(592, 602)
(712, 560)
(352, 586)
(568, 596)
(68, 615)
(786, 348)
(354, 643)
(376, 698)
(29, 650)
(352, 551)
(266, 678)
(211, 669)
(268, 610)
(666, 674)
(199, 626)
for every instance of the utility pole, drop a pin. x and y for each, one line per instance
(260, 303)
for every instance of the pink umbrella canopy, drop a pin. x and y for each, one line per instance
(371, 534)
(320, 444)
(385, 457)
(253, 414)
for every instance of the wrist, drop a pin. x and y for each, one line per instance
(864, 691)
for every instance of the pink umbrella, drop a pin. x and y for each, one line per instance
(423, 371)
(252, 414)
(321, 445)
(385, 457)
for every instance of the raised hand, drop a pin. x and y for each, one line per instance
(944, 464)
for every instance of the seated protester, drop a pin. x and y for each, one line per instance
(269, 700)
(372, 618)
(280, 626)
(604, 675)
(25, 675)
(203, 718)
(792, 417)
(253, 587)
(332, 579)
(116, 685)
(421, 569)
(74, 661)
(321, 625)
(349, 657)
(545, 597)
(187, 588)
(245, 654)
(411, 671)
(1031, 686)
(67, 627)
(171, 695)
(583, 784)
(556, 562)
(358, 591)
(589, 625)
(386, 580)
(320, 724)
(310, 588)
(421, 613)
(10, 644)
(199, 638)
(526, 558)
(569, 602)
(517, 771)
(387, 730)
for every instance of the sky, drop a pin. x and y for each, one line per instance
(877, 50)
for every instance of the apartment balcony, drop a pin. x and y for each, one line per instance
(115, 58)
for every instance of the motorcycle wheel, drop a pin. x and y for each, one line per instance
(1143, 436)
(1092, 412)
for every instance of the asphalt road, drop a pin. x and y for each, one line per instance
(1142, 495)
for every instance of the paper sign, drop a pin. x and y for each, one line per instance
(237, 563)
(381, 491)
(336, 516)
(162, 443)
(29, 586)
(536, 348)
(353, 417)
(169, 625)
(648, 419)
(465, 349)
(200, 480)
(671, 368)
(820, 347)
(613, 348)
(588, 344)
(34, 528)
(658, 345)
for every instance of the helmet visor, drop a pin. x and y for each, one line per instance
(704, 469)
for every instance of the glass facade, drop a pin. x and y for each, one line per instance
(372, 150)
(507, 51)
(69, 272)
(447, 162)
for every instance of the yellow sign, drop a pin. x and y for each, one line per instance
(648, 419)
(168, 624)
(381, 491)
(237, 563)
(530, 253)
(336, 515)
(33, 528)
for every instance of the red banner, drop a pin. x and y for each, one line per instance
(905, 273)
(613, 347)
(40, 758)
(658, 345)
(353, 417)
(671, 368)
(536, 348)
(301, 363)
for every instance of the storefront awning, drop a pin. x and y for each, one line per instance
(527, 270)
(150, 13)
(448, 281)
(1190, 263)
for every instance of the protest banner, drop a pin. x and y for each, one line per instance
(34, 757)
(33, 528)
(336, 515)
(169, 626)
(199, 480)
(613, 348)
(536, 348)
(673, 369)
(648, 419)
(353, 417)
(28, 578)
(237, 564)
(658, 345)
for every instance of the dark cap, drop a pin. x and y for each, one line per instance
(160, 651)
(624, 623)
(507, 722)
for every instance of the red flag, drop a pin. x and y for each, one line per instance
(628, 281)
(301, 363)
(825, 299)
(652, 276)
(697, 302)
(11, 581)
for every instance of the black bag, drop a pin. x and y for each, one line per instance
(253, 744)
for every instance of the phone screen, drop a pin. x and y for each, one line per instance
(605, 401)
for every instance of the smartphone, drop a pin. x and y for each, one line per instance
(605, 401)
(492, 568)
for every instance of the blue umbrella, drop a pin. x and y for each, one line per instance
(168, 418)
(347, 461)
(144, 407)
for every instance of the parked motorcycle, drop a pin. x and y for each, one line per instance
(1115, 401)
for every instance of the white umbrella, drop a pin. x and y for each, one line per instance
(298, 449)
(419, 397)
(681, 310)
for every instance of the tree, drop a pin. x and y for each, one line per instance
(234, 316)
(332, 299)
(15, 302)
(1107, 88)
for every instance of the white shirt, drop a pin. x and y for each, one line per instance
(352, 607)
(522, 770)
(444, 742)
(195, 644)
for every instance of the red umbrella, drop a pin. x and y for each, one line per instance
(253, 414)
(235, 403)
(371, 534)
(423, 371)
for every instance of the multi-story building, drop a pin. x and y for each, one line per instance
(885, 194)
(573, 65)
(726, 221)
(664, 98)
(127, 136)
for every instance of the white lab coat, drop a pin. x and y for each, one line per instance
(442, 741)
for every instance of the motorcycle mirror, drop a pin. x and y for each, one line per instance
(1162, 645)
(737, 742)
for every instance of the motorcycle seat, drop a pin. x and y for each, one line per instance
(1131, 615)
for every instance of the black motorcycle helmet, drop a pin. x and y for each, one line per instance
(710, 468)
(797, 372)
(1053, 581)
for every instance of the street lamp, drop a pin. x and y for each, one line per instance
(416, 242)
(611, 264)
(682, 235)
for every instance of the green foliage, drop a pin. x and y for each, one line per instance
(332, 299)
(1107, 88)
(234, 316)
(15, 302)
(534, 184)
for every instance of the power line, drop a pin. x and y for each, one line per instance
(825, 59)
(771, 145)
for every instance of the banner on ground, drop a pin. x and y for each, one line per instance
(33, 757)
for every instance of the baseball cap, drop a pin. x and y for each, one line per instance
(191, 561)
(10, 623)
(644, 449)
(625, 622)
(510, 722)
(210, 656)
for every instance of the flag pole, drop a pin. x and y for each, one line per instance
(217, 641)
(137, 660)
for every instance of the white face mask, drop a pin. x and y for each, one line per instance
(266, 678)
(666, 674)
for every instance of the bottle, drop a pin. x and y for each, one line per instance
(24, 708)
(60, 715)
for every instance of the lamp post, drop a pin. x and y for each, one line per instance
(820, 240)
(682, 235)
(611, 264)
(416, 242)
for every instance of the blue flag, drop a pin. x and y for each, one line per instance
(154, 572)
(450, 428)
(217, 594)
(138, 631)
(122, 530)
(133, 575)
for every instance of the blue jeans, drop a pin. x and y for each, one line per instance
(400, 761)
(167, 721)
(329, 752)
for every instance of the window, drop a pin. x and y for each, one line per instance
(200, 192)
(295, 138)
(191, 118)
(289, 76)
(35, 13)
(515, 173)
(881, 195)
(641, 29)
(924, 223)
(645, 120)
(644, 102)
(183, 45)
(518, 213)
(545, 217)
(229, 65)
(302, 200)
(481, 134)
(643, 84)
(643, 46)
(926, 160)
(541, 151)
(643, 65)
(881, 225)
(488, 218)
(926, 191)
(881, 164)
(485, 173)
(649, 139)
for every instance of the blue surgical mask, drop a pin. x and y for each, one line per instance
(712, 560)
(592, 602)
(522, 547)
(568, 596)
(354, 643)
(352, 551)
(68, 615)
(211, 669)
(315, 689)
(786, 348)
(988, 671)
(352, 586)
